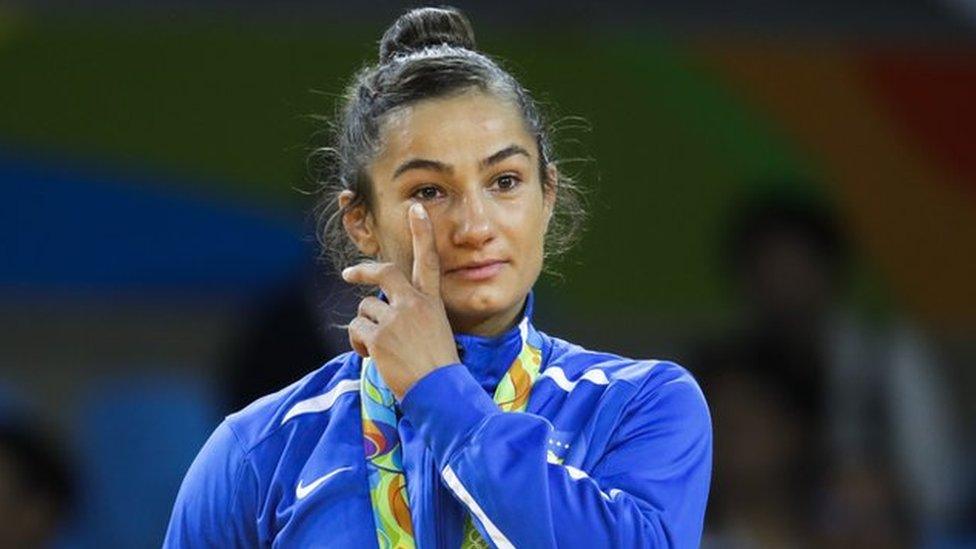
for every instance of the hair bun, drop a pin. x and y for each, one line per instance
(423, 27)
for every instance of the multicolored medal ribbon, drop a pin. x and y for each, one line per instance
(384, 456)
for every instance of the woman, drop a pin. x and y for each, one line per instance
(478, 429)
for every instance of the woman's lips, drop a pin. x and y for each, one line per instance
(481, 272)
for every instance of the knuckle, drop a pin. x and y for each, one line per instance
(354, 326)
(361, 325)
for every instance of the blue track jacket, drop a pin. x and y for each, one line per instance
(611, 452)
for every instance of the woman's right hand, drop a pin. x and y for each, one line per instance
(410, 336)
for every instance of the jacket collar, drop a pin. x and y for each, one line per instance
(489, 358)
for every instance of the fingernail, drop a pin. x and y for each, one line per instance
(419, 210)
(345, 272)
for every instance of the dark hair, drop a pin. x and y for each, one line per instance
(426, 53)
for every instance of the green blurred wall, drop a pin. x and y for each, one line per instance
(226, 102)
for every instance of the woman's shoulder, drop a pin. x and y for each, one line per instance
(217, 501)
(317, 390)
(574, 362)
(648, 383)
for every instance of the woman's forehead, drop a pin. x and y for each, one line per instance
(458, 129)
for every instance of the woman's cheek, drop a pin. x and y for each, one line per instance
(399, 251)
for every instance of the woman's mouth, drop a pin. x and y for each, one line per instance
(478, 271)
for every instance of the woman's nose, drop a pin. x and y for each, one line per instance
(473, 226)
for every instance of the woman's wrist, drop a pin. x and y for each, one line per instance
(445, 406)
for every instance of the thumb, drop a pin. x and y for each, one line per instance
(426, 263)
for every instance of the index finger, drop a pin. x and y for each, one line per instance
(385, 275)
(426, 262)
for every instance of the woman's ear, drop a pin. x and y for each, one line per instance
(358, 223)
(549, 190)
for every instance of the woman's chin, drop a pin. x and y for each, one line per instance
(479, 301)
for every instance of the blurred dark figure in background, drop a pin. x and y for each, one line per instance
(288, 333)
(36, 488)
(829, 430)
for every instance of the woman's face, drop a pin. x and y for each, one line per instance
(475, 168)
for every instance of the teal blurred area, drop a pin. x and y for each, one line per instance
(158, 259)
(121, 233)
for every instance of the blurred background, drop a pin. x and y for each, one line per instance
(783, 199)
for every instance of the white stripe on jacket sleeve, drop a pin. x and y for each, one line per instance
(324, 401)
(454, 483)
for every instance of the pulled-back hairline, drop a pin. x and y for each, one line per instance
(402, 81)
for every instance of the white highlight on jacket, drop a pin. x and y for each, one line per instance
(454, 483)
(324, 401)
(579, 474)
(555, 373)
(524, 329)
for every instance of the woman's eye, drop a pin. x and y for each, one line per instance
(428, 192)
(507, 182)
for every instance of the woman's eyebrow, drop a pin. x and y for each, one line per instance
(422, 164)
(426, 164)
(503, 154)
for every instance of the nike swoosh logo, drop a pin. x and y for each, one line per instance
(302, 491)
